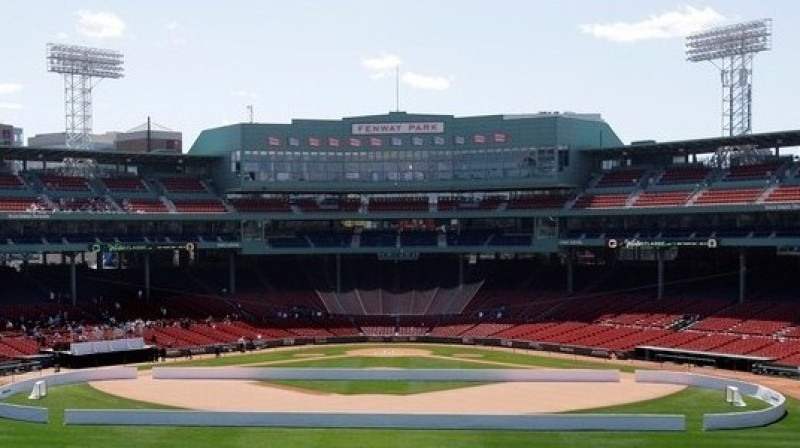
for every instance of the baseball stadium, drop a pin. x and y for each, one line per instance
(403, 279)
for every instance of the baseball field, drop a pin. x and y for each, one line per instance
(385, 396)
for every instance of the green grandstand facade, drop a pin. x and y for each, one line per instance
(410, 152)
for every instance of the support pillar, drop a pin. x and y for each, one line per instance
(338, 274)
(742, 276)
(660, 264)
(147, 275)
(232, 273)
(570, 272)
(73, 282)
(460, 271)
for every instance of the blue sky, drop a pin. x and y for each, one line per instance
(194, 65)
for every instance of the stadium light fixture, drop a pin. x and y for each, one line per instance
(731, 50)
(80, 67)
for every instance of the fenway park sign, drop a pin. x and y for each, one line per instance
(433, 127)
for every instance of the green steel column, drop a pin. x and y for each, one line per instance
(660, 263)
(742, 276)
(73, 280)
(232, 273)
(147, 275)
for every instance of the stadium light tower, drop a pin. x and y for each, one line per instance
(82, 68)
(731, 50)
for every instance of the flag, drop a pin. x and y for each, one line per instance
(312, 141)
(460, 140)
(375, 141)
(294, 141)
(499, 137)
(417, 141)
(397, 141)
(355, 142)
(273, 141)
(479, 138)
(333, 142)
(438, 140)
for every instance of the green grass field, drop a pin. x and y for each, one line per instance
(691, 402)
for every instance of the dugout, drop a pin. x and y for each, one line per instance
(742, 363)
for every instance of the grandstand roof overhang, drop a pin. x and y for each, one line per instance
(103, 157)
(706, 145)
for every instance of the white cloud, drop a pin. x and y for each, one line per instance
(62, 36)
(99, 24)
(245, 94)
(10, 106)
(671, 24)
(9, 87)
(175, 33)
(381, 66)
(425, 82)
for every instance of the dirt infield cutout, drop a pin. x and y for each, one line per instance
(388, 352)
(496, 397)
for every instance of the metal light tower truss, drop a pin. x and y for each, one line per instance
(731, 50)
(82, 68)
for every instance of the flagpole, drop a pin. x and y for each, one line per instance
(397, 86)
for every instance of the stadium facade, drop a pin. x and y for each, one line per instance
(540, 217)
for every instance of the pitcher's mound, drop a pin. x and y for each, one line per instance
(389, 352)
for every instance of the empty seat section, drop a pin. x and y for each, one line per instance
(124, 184)
(684, 175)
(69, 183)
(10, 181)
(789, 193)
(26, 204)
(728, 196)
(538, 201)
(199, 206)
(182, 185)
(601, 200)
(620, 178)
(261, 205)
(753, 172)
(399, 204)
(662, 199)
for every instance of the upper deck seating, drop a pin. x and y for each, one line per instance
(340, 204)
(400, 204)
(144, 206)
(125, 184)
(538, 201)
(784, 193)
(10, 181)
(728, 196)
(93, 204)
(620, 178)
(662, 199)
(261, 205)
(199, 206)
(182, 185)
(445, 204)
(753, 172)
(70, 183)
(684, 175)
(601, 200)
(23, 204)
(308, 205)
